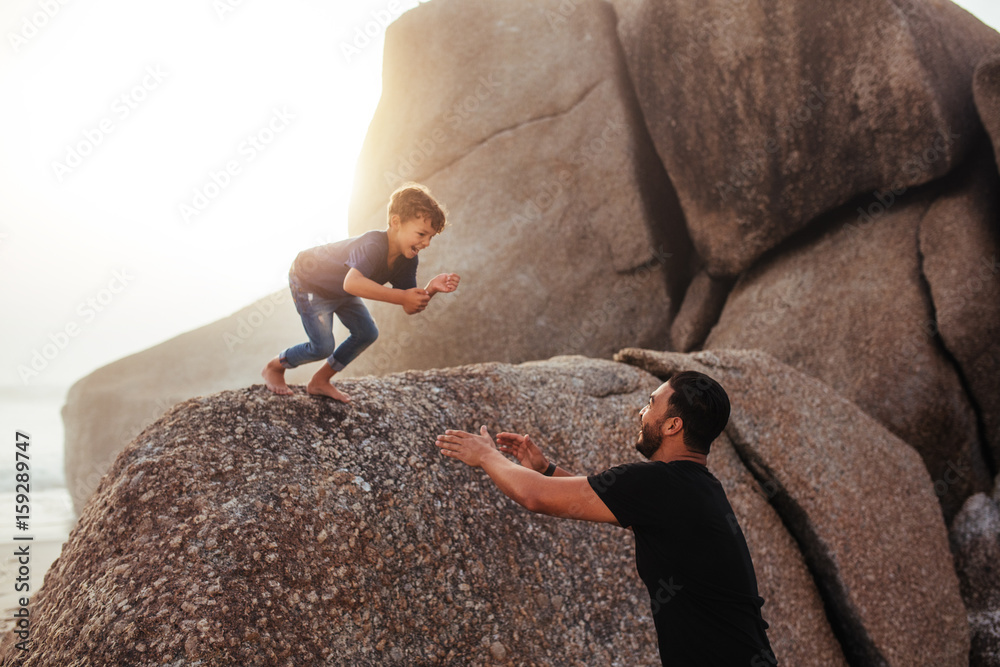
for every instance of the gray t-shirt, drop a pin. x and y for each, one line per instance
(322, 269)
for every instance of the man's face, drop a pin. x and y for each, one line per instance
(652, 417)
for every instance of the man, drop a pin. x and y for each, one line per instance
(690, 551)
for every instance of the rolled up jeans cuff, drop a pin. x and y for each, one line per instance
(336, 365)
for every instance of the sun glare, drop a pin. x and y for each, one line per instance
(196, 145)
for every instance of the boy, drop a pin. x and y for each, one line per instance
(333, 278)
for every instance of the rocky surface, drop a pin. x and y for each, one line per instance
(799, 631)
(105, 410)
(247, 528)
(768, 114)
(975, 540)
(986, 89)
(960, 251)
(857, 500)
(563, 224)
(703, 303)
(852, 308)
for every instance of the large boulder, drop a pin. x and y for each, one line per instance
(768, 114)
(857, 500)
(703, 303)
(799, 631)
(986, 89)
(960, 251)
(852, 308)
(564, 226)
(975, 540)
(106, 409)
(249, 528)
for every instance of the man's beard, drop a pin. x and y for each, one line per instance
(649, 439)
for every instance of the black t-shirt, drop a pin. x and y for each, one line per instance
(322, 269)
(691, 554)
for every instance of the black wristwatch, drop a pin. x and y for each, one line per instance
(550, 470)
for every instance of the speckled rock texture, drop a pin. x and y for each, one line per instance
(106, 409)
(857, 500)
(851, 307)
(246, 528)
(563, 223)
(986, 91)
(799, 631)
(975, 541)
(960, 253)
(768, 114)
(703, 303)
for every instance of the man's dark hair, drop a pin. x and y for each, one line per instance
(703, 406)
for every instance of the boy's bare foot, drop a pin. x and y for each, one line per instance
(274, 377)
(317, 388)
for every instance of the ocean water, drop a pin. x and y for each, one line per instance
(35, 412)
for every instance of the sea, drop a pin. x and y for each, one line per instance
(33, 434)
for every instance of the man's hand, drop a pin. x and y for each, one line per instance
(565, 496)
(466, 447)
(445, 282)
(415, 300)
(526, 451)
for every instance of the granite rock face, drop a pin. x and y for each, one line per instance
(769, 114)
(960, 252)
(105, 410)
(247, 528)
(563, 224)
(975, 541)
(852, 309)
(703, 303)
(799, 632)
(986, 89)
(857, 500)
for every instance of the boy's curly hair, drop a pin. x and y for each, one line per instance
(412, 200)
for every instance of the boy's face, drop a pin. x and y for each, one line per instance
(412, 235)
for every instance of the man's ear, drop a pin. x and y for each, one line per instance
(672, 426)
(394, 221)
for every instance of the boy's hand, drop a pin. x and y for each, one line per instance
(526, 451)
(415, 300)
(445, 282)
(466, 447)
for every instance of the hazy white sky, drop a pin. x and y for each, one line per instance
(162, 163)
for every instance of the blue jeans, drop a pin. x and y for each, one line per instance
(317, 318)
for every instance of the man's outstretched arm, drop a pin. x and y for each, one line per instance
(568, 497)
(528, 453)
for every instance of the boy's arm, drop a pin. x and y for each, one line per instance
(569, 497)
(412, 300)
(444, 282)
